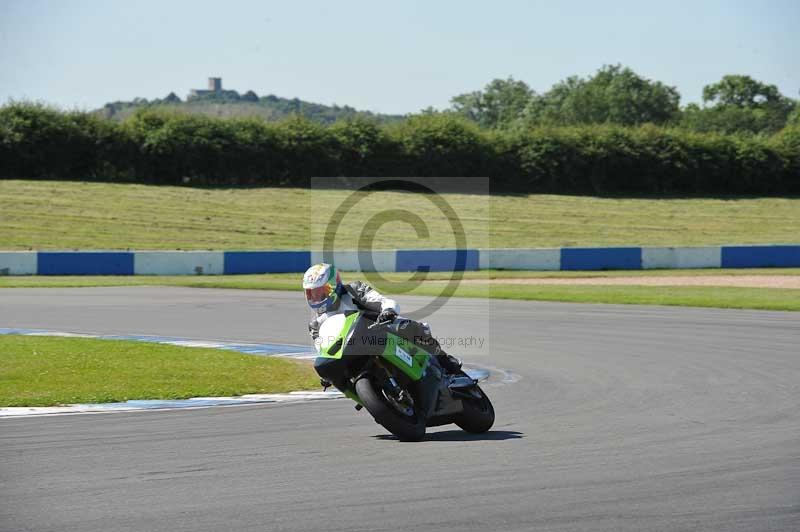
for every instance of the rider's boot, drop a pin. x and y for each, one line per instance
(450, 363)
(422, 334)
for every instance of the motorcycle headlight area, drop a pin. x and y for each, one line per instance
(329, 331)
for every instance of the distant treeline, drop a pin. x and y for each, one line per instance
(618, 95)
(230, 104)
(613, 95)
(155, 146)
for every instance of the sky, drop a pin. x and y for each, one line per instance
(390, 57)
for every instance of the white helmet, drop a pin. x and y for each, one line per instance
(322, 285)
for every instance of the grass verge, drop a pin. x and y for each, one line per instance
(77, 215)
(683, 296)
(45, 371)
(695, 296)
(291, 281)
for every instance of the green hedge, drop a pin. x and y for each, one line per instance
(158, 147)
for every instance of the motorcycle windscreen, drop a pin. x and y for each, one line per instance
(333, 333)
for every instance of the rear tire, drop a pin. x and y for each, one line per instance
(404, 427)
(478, 414)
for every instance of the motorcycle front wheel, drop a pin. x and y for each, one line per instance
(478, 414)
(408, 426)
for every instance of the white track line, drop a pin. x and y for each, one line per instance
(291, 351)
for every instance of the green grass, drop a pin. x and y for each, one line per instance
(291, 281)
(75, 215)
(697, 296)
(45, 371)
(687, 296)
(683, 296)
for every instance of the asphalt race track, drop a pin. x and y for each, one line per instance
(622, 418)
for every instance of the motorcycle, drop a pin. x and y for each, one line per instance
(401, 385)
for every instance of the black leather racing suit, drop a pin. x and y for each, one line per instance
(361, 296)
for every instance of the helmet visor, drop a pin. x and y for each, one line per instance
(316, 296)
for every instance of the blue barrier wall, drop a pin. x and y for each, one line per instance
(436, 260)
(85, 263)
(242, 262)
(760, 256)
(601, 258)
(404, 260)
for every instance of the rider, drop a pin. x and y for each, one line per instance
(327, 296)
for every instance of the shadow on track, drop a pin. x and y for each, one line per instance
(460, 435)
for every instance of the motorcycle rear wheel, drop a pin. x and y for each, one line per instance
(406, 428)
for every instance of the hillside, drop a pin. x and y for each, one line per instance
(74, 215)
(229, 103)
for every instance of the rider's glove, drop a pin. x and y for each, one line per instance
(387, 315)
(313, 329)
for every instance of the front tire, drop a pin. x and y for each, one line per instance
(406, 428)
(478, 414)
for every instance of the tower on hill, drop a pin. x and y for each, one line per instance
(214, 87)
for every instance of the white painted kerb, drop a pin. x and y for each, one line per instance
(179, 263)
(348, 261)
(519, 259)
(681, 257)
(18, 263)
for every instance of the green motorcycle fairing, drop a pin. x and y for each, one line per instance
(406, 356)
(337, 338)
(333, 335)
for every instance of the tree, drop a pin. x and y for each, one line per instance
(740, 91)
(469, 105)
(794, 117)
(500, 103)
(250, 96)
(739, 104)
(615, 94)
(172, 98)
